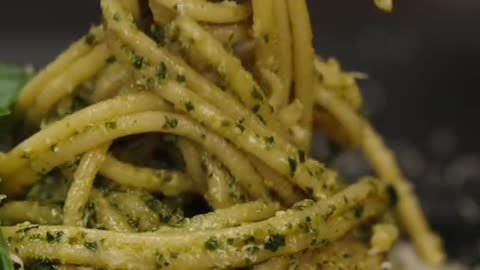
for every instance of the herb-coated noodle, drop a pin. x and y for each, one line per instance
(177, 135)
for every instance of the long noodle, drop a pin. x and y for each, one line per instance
(176, 135)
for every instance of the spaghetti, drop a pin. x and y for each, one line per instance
(184, 101)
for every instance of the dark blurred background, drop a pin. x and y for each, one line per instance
(422, 92)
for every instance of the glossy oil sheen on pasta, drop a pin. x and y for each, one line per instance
(174, 102)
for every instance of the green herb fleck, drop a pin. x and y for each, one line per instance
(329, 213)
(116, 17)
(42, 264)
(90, 39)
(225, 123)
(91, 246)
(181, 78)
(261, 119)
(301, 156)
(292, 162)
(54, 237)
(162, 71)
(161, 261)
(137, 61)
(27, 229)
(171, 122)
(357, 210)
(309, 191)
(111, 125)
(111, 59)
(249, 239)
(256, 94)
(241, 127)
(158, 35)
(269, 141)
(274, 242)
(26, 154)
(252, 250)
(189, 106)
(266, 38)
(212, 244)
(392, 194)
(325, 242)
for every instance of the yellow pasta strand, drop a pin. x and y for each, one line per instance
(223, 12)
(15, 212)
(108, 217)
(202, 253)
(66, 82)
(302, 62)
(79, 192)
(192, 158)
(237, 163)
(166, 182)
(408, 209)
(46, 139)
(223, 191)
(72, 54)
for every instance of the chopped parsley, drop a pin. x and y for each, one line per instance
(43, 264)
(54, 237)
(158, 35)
(392, 194)
(256, 94)
(301, 156)
(329, 213)
(358, 210)
(26, 154)
(111, 59)
(252, 250)
(225, 123)
(241, 127)
(90, 39)
(116, 17)
(171, 122)
(137, 61)
(212, 244)
(91, 246)
(269, 141)
(261, 119)
(161, 261)
(292, 162)
(189, 106)
(274, 242)
(162, 71)
(266, 38)
(181, 78)
(111, 125)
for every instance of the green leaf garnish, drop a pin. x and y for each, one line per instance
(12, 79)
(5, 261)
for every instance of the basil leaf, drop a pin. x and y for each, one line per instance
(12, 79)
(5, 261)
